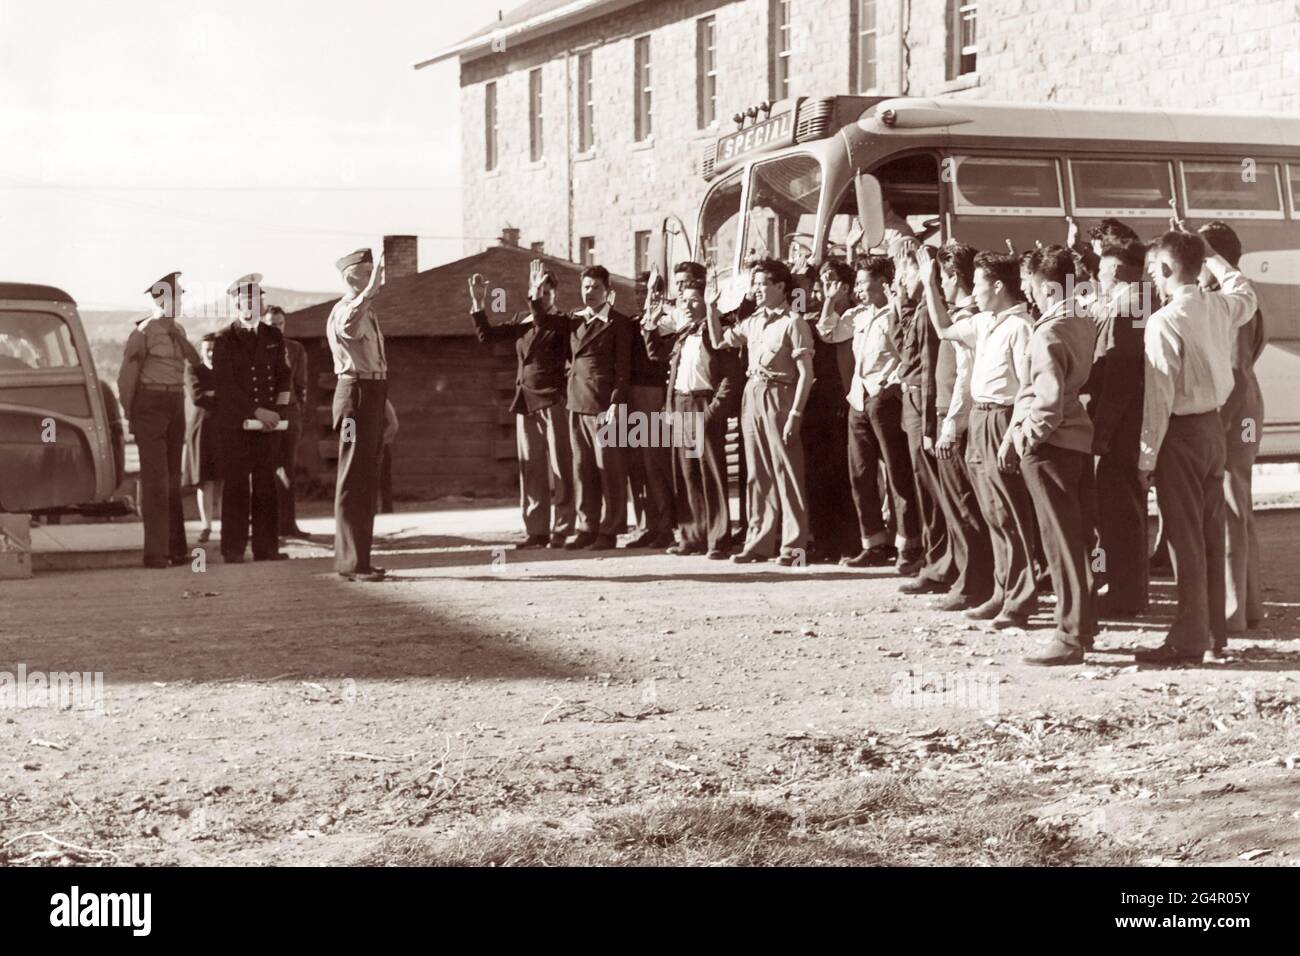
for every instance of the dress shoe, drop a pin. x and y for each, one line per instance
(533, 541)
(645, 539)
(1216, 655)
(233, 558)
(581, 542)
(719, 554)
(276, 556)
(557, 540)
(205, 536)
(1054, 653)
(157, 563)
(923, 585)
(986, 611)
(748, 557)
(1167, 655)
(877, 556)
(1104, 607)
(909, 564)
(364, 575)
(791, 560)
(296, 532)
(178, 560)
(685, 548)
(662, 540)
(603, 542)
(1008, 619)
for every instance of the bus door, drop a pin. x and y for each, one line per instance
(911, 203)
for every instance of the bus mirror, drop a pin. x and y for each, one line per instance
(870, 210)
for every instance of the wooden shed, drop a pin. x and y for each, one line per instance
(452, 394)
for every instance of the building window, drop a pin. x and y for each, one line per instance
(490, 126)
(706, 71)
(641, 252)
(538, 247)
(642, 90)
(865, 30)
(535, 115)
(586, 112)
(779, 49)
(587, 250)
(961, 38)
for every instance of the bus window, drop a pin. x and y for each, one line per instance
(720, 225)
(1120, 187)
(1294, 172)
(1005, 186)
(783, 206)
(35, 340)
(1232, 190)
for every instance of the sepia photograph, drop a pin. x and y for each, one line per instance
(777, 435)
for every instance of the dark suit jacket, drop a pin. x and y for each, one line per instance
(296, 354)
(724, 375)
(1115, 386)
(248, 375)
(600, 358)
(540, 353)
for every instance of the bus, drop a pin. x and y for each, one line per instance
(62, 440)
(982, 172)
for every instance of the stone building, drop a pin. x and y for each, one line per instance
(583, 121)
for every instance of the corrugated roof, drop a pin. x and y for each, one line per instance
(436, 302)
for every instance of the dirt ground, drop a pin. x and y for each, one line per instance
(261, 714)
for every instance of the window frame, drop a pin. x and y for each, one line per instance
(956, 49)
(706, 72)
(779, 57)
(584, 251)
(1099, 212)
(856, 11)
(536, 129)
(1292, 177)
(641, 256)
(586, 103)
(642, 89)
(961, 208)
(1198, 212)
(491, 126)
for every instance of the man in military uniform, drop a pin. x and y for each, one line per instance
(151, 387)
(362, 413)
(296, 356)
(252, 384)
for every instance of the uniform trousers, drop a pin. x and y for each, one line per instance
(1059, 479)
(776, 491)
(937, 555)
(158, 424)
(599, 477)
(1008, 512)
(360, 404)
(248, 461)
(1189, 483)
(700, 481)
(545, 471)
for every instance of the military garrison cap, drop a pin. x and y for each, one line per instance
(354, 259)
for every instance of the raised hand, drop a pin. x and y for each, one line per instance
(1011, 248)
(536, 276)
(1071, 232)
(478, 286)
(928, 263)
(711, 291)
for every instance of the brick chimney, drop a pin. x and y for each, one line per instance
(401, 257)
(510, 237)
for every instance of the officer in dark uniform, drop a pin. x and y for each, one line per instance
(151, 387)
(251, 376)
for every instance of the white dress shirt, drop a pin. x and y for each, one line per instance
(875, 356)
(693, 365)
(1000, 342)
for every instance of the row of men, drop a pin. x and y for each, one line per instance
(249, 384)
(938, 395)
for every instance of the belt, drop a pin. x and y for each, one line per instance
(914, 388)
(767, 379)
(703, 393)
(365, 376)
(150, 387)
(990, 406)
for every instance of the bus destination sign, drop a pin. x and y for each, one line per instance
(769, 134)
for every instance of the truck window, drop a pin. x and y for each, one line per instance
(1120, 187)
(30, 341)
(1006, 186)
(1232, 190)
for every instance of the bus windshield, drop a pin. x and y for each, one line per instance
(720, 224)
(782, 211)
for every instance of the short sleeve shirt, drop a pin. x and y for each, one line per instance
(775, 339)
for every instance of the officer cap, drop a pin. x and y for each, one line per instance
(167, 284)
(354, 259)
(244, 282)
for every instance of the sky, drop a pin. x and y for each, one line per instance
(143, 137)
